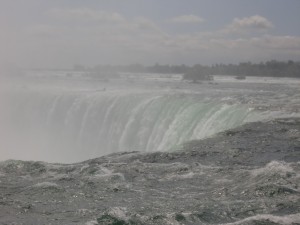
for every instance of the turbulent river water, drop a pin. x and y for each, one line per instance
(67, 121)
(225, 180)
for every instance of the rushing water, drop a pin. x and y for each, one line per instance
(93, 124)
(70, 120)
(247, 175)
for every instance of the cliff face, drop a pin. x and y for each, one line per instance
(248, 175)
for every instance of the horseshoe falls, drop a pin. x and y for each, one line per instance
(149, 152)
(75, 125)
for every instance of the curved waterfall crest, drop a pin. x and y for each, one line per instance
(94, 124)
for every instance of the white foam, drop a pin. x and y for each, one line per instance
(46, 185)
(273, 167)
(118, 212)
(179, 176)
(93, 222)
(284, 220)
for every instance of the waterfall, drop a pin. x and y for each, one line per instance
(72, 126)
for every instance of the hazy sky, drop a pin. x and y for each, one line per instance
(60, 33)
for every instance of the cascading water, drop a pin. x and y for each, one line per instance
(73, 126)
(246, 175)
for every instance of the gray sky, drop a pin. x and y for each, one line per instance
(60, 33)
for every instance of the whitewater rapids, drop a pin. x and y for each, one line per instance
(248, 176)
(149, 151)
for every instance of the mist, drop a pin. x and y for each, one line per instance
(141, 112)
(41, 43)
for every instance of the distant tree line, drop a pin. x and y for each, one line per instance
(271, 68)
